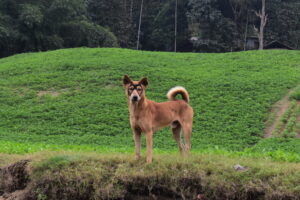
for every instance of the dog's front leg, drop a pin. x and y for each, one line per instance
(137, 135)
(149, 146)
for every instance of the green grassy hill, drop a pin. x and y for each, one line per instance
(74, 99)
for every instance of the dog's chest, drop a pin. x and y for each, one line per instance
(136, 119)
(140, 121)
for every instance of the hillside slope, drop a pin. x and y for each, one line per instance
(74, 99)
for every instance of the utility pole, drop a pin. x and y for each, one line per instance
(246, 32)
(175, 38)
(140, 22)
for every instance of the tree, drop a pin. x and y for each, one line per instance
(30, 20)
(83, 33)
(169, 25)
(8, 36)
(212, 31)
(283, 22)
(119, 21)
(34, 25)
(263, 21)
(240, 16)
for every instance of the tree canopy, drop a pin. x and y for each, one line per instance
(202, 25)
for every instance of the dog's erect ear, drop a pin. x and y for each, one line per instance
(126, 80)
(144, 82)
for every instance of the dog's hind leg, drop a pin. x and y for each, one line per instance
(176, 134)
(149, 146)
(187, 132)
(137, 135)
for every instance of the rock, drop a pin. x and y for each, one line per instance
(239, 167)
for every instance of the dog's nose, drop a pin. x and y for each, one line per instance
(134, 98)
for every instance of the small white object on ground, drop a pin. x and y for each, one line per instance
(239, 167)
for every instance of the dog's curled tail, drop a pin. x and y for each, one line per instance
(178, 90)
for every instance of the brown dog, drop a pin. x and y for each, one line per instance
(148, 116)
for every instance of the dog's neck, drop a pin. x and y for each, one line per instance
(134, 108)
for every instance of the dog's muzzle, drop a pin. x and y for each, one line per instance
(134, 98)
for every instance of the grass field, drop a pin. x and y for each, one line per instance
(73, 99)
(65, 134)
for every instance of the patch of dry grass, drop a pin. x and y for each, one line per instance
(118, 176)
(6, 159)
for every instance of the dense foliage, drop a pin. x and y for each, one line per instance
(74, 99)
(213, 25)
(44, 25)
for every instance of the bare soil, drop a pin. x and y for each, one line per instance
(279, 108)
(13, 181)
(298, 121)
(51, 93)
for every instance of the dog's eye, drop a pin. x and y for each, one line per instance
(139, 89)
(131, 88)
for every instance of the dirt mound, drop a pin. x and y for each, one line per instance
(13, 180)
(64, 177)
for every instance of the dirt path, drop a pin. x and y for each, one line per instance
(279, 108)
(298, 121)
